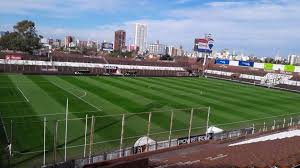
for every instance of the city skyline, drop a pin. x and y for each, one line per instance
(260, 27)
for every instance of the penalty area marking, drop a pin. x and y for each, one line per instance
(76, 96)
(23, 94)
(84, 92)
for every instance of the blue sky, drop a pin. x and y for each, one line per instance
(260, 27)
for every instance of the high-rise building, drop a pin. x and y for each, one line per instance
(68, 41)
(140, 39)
(57, 43)
(294, 59)
(120, 39)
(131, 47)
(157, 49)
(2, 33)
(81, 43)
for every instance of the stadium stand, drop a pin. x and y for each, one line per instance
(70, 64)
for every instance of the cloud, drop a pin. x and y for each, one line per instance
(225, 4)
(182, 1)
(260, 27)
(56, 8)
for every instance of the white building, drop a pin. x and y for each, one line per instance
(140, 39)
(294, 59)
(157, 49)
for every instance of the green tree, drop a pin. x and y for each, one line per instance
(166, 57)
(23, 38)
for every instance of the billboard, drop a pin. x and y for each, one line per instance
(196, 138)
(223, 62)
(13, 57)
(105, 46)
(268, 66)
(246, 63)
(203, 45)
(289, 68)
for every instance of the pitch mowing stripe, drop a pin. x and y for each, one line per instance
(121, 84)
(92, 95)
(244, 101)
(254, 96)
(161, 100)
(283, 104)
(249, 90)
(155, 121)
(175, 96)
(265, 104)
(23, 133)
(37, 100)
(270, 92)
(122, 101)
(177, 92)
(113, 122)
(77, 96)
(129, 95)
(277, 103)
(195, 97)
(228, 100)
(61, 94)
(77, 137)
(129, 123)
(247, 87)
(13, 106)
(102, 88)
(23, 94)
(76, 127)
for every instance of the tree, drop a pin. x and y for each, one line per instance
(166, 57)
(23, 38)
(269, 60)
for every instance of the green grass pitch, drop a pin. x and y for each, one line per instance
(26, 100)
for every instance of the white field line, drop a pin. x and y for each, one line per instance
(23, 94)
(84, 92)
(76, 96)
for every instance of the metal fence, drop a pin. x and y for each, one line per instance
(97, 138)
(43, 140)
(245, 128)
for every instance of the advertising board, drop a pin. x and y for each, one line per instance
(196, 138)
(289, 68)
(246, 63)
(221, 61)
(268, 66)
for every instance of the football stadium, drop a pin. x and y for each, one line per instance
(78, 111)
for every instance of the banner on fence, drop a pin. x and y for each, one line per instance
(246, 63)
(268, 66)
(196, 138)
(223, 62)
(289, 68)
